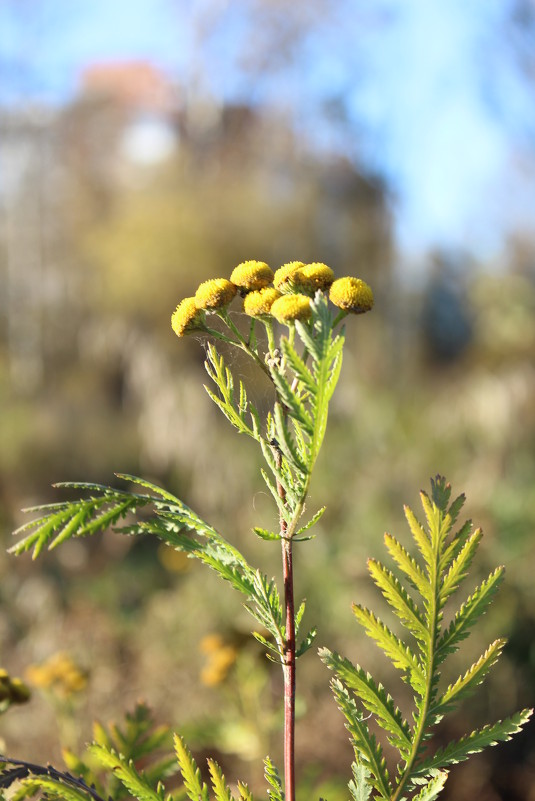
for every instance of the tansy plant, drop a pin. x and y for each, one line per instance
(295, 336)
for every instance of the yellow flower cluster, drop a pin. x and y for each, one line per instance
(220, 658)
(59, 674)
(287, 300)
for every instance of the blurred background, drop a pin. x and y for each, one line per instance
(148, 145)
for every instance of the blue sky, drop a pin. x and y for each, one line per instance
(427, 88)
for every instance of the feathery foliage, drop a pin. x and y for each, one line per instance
(444, 557)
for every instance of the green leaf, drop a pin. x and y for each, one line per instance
(135, 783)
(76, 518)
(285, 441)
(312, 522)
(459, 567)
(235, 412)
(359, 786)
(195, 787)
(268, 610)
(435, 520)
(367, 749)
(441, 492)
(458, 751)
(401, 655)
(470, 611)
(286, 479)
(420, 537)
(472, 678)
(307, 642)
(55, 789)
(373, 696)
(409, 566)
(298, 366)
(399, 600)
(245, 793)
(271, 773)
(264, 534)
(432, 788)
(271, 646)
(291, 400)
(299, 616)
(221, 788)
(239, 577)
(454, 548)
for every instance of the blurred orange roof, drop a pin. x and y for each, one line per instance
(138, 84)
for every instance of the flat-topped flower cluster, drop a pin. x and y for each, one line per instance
(284, 295)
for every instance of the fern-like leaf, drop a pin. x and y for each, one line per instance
(460, 750)
(432, 788)
(103, 508)
(409, 566)
(235, 411)
(400, 601)
(245, 793)
(448, 557)
(466, 684)
(460, 566)
(293, 404)
(298, 367)
(366, 746)
(373, 697)
(124, 770)
(275, 791)
(420, 537)
(470, 611)
(359, 785)
(191, 775)
(52, 789)
(400, 654)
(221, 788)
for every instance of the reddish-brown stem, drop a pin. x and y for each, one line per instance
(288, 668)
(288, 655)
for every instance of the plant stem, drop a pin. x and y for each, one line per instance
(288, 668)
(288, 655)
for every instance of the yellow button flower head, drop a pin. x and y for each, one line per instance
(291, 307)
(251, 275)
(214, 294)
(59, 674)
(221, 657)
(313, 276)
(352, 295)
(259, 303)
(186, 317)
(282, 280)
